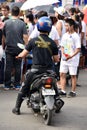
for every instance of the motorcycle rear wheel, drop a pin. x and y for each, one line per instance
(47, 116)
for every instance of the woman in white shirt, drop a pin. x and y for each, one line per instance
(29, 20)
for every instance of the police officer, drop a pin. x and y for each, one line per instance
(45, 52)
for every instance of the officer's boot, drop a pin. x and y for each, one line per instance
(19, 101)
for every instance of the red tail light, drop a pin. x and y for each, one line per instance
(48, 81)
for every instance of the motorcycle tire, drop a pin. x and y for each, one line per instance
(47, 116)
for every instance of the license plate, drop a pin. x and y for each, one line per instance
(48, 92)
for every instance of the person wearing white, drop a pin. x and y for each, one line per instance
(70, 42)
(29, 20)
(83, 40)
(84, 31)
(1, 46)
(70, 48)
(34, 33)
(53, 34)
(60, 25)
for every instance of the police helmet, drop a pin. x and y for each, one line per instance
(44, 24)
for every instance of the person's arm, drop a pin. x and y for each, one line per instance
(3, 41)
(59, 28)
(22, 54)
(55, 58)
(82, 37)
(78, 46)
(57, 43)
(70, 56)
(25, 38)
(76, 52)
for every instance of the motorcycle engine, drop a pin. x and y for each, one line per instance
(35, 98)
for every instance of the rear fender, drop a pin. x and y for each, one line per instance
(49, 100)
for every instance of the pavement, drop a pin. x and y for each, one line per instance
(73, 115)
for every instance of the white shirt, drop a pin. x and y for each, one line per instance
(84, 31)
(35, 33)
(71, 42)
(53, 34)
(63, 29)
(30, 28)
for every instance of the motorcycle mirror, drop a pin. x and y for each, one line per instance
(21, 46)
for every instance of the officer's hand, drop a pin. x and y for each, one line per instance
(18, 56)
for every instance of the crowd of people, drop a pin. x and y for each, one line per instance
(68, 32)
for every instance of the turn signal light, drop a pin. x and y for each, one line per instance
(47, 86)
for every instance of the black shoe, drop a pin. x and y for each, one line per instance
(62, 93)
(78, 85)
(28, 103)
(72, 94)
(16, 111)
(59, 104)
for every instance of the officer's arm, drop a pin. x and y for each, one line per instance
(22, 54)
(55, 58)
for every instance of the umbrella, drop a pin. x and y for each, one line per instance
(85, 14)
(33, 3)
(48, 8)
(12, 4)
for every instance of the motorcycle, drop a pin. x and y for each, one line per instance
(43, 99)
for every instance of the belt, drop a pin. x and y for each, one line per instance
(41, 66)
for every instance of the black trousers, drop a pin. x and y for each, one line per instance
(29, 77)
(10, 63)
(2, 71)
(25, 89)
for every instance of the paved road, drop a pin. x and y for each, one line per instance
(73, 115)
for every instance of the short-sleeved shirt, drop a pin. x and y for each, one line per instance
(13, 31)
(71, 42)
(41, 54)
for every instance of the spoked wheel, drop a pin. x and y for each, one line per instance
(47, 116)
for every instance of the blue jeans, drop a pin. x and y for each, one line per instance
(12, 63)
